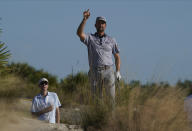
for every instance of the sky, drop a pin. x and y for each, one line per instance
(154, 37)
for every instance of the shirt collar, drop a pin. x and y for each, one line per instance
(40, 96)
(97, 35)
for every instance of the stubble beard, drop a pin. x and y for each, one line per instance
(100, 30)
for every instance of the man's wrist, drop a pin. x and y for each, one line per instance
(84, 19)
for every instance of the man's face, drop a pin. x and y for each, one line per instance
(43, 85)
(100, 26)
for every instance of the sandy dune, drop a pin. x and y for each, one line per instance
(15, 116)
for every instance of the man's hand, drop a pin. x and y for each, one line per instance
(118, 75)
(80, 30)
(86, 14)
(48, 109)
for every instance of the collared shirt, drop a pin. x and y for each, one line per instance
(41, 102)
(188, 107)
(100, 49)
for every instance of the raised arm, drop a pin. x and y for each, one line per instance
(80, 30)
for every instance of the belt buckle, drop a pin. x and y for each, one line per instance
(105, 67)
(99, 68)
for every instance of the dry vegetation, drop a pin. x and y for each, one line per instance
(137, 108)
(159, 109)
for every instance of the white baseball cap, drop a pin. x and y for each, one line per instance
(42, 80)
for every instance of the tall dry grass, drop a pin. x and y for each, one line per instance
(137, 109)
(12, 87)
(141, 109)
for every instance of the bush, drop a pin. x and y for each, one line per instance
(30, 74)
(95, 117)
(12, 87)
(71, 82)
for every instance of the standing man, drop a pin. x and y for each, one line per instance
(100, 47)
(46, 104)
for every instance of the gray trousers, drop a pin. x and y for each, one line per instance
(100, 79)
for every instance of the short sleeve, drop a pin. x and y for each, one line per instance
(115, 47)
(57, 102)
(33, 106)
(86, 41)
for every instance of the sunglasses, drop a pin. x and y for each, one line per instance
(43, 83)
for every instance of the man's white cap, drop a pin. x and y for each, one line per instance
(43, 79)
(101, 18)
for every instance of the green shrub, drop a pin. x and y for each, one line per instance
(30, 74)
(95, 117)
(71, 82)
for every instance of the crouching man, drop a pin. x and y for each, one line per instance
(46, 104)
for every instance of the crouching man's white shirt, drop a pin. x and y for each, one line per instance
(40, 102)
